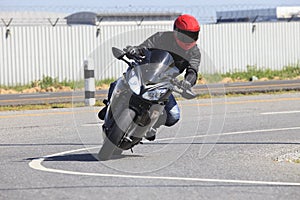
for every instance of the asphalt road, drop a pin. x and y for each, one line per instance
(223, 148)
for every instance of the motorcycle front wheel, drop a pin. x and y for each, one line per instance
(114, 135)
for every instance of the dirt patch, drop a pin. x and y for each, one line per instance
(36, 90)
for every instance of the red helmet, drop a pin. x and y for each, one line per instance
(186, 31)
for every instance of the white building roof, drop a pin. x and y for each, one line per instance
(273, 14)
(93, 18)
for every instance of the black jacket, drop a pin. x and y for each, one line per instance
(188, 60)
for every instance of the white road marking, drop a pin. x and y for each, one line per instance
(232, 133)
(282, 112)
(92, 124)
(37, 164)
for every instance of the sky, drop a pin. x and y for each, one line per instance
(135, 3)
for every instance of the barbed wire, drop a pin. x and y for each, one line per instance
(205, 14)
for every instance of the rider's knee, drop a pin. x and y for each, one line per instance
(171, 122)
(173, 116)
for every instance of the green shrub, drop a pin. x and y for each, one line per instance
(48, 81)
(104, 81)
(286, 73)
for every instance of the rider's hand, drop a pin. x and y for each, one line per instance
(135, 52)
(186, 85)
(131, 50)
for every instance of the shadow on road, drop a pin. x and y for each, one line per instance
(46, 144)
(85, 157)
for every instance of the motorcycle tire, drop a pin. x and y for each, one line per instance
(115, 136)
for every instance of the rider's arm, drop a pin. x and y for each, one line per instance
(154, 41)
(191, 73)
(191, 76)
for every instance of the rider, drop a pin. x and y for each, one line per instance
(181, 44)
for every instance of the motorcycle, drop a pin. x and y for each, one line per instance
(138, 99)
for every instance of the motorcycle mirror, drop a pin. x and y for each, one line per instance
(118, 53)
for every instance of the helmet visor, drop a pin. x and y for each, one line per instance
(186, 36)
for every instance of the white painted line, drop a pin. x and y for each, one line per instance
(282, 112)
(232, 133)
(92, 124)
(37, 164)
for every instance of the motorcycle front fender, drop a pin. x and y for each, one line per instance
(119, 126)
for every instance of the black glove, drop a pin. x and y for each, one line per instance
(134, 51)
(131, 50)
(186, 85)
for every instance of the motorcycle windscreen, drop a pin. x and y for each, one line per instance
(158, 66)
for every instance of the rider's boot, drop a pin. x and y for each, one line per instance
(102, 112)
(151, 134)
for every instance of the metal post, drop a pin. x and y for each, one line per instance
(89, 84)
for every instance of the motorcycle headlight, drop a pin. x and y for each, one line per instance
(134, 83)
(154, 95)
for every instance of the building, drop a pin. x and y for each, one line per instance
(260, 15)
(92, 18)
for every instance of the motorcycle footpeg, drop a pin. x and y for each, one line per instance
(128, 139)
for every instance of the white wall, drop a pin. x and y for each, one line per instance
(233, 46)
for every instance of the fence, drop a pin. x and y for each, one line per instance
(29, 52)
(231, 47)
